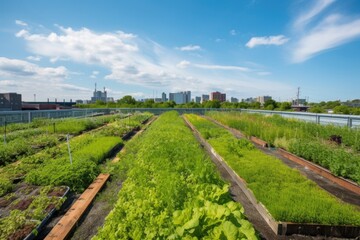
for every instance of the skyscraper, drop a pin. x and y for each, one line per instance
(180, 97)
(218, 96)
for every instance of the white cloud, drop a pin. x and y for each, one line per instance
(316, 9)
(271, 40)
(222, 67)
(136, 61)
(46, 82)
(233, 32)
(21, 23)
(190, 48)
(94, 74)
(8, 83)
(318, 32)
(15, 68)
(71, 87)
(34, 58)
(185, 64)
(327, 35)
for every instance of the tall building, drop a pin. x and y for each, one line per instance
(99, 95)
(249, 100)
(263, 99)
(204, 98)
(198, 99)
(234, 100)
(218, 96)
(180, 97)
(163, 97)
(10, 101)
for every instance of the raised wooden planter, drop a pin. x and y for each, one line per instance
(345, 183)
(352, 186)
(259, 141)
(63, 228)
(279, 228)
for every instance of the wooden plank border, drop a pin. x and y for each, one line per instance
(279, 228)
(64, 227)
(349, 185)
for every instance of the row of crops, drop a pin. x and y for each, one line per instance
(52, 166)
(24, 139)
(308, 140)
(171, 190)
(287, 195)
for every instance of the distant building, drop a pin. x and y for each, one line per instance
(198, 99)
(79, 101)
(249, 100)
(99, 96)
(10, 101)
(300, 101)
(41, 106)
(157, 100)
(263, 99)
(163, 97)
(180, 97)
(204, 98)
(110, 99)
(234, 100)
(218, 96)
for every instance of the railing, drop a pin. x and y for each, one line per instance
(320, 118)
(28, 116)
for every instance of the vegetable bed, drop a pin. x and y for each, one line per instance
(311, 141)
(26, 139)
(52, 167)
(26, 210)
(172, 190)
(287, 195)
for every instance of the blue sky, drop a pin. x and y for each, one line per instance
(245, 48)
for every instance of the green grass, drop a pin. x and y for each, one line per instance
(307, 140)
(287, 194)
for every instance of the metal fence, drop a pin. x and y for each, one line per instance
(28, 116)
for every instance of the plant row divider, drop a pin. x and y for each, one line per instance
(345, 183)
(279, 228)
(66, 224)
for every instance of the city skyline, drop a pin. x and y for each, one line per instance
(244, 48)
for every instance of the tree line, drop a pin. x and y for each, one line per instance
(338, 107)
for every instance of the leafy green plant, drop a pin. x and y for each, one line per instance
(171, 190)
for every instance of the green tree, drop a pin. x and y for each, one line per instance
(341, 109)
(212, 104)
(149, 103)
(243, 105)
(316, 109)
(255, 105)
(268, 103)
(99, 102)
(128, 100)
(285, 106)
